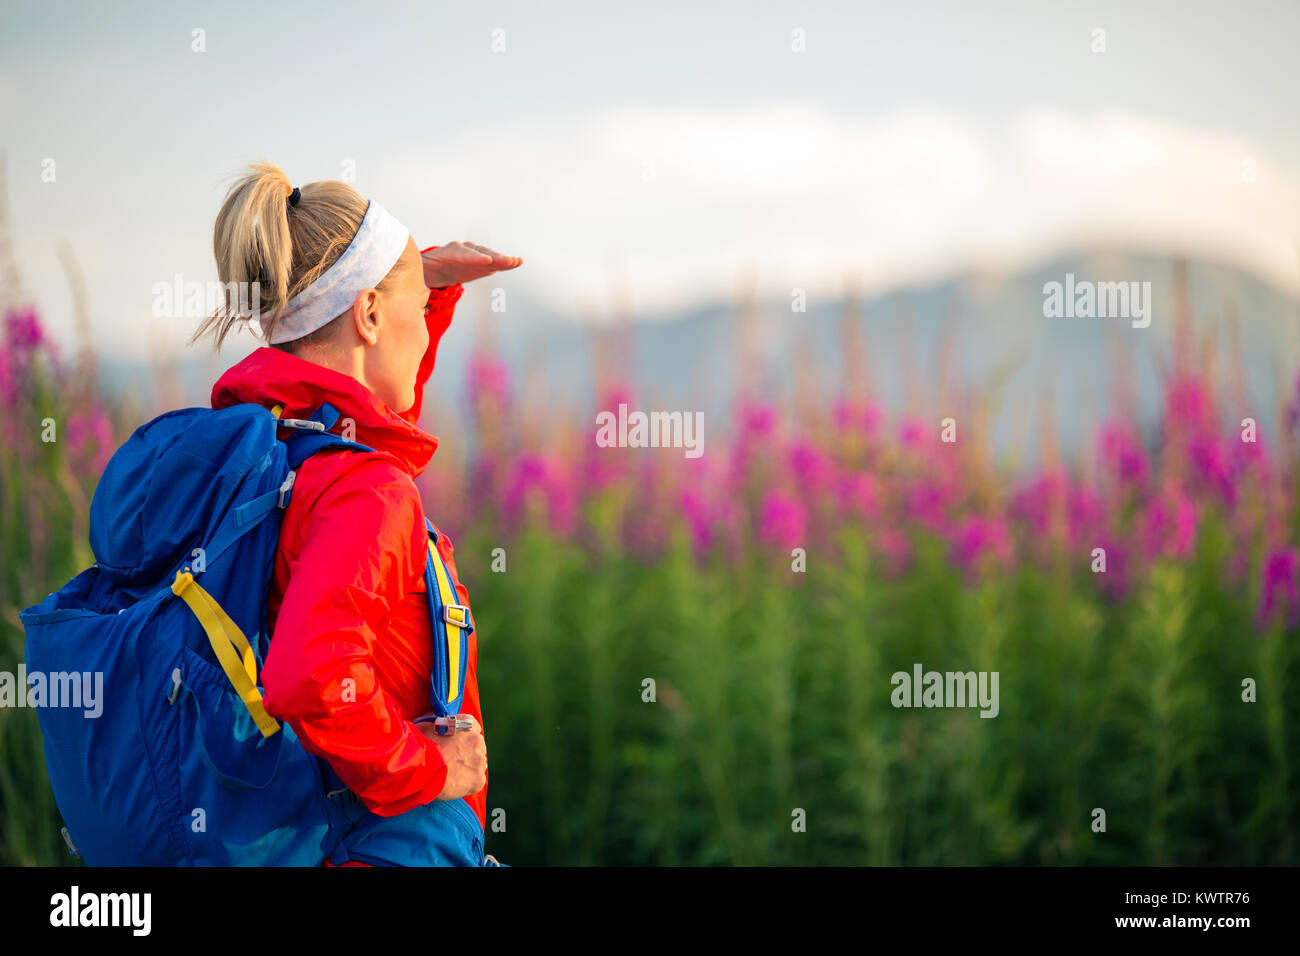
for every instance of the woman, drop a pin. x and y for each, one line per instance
(353, 312)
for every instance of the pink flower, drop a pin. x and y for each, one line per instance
(484, 481)
(8, 378)
(90, 438)
(1211, 464)
(927, 503)
(23, 331)
(782, 520)
(23, 336)
(617, 395)
(699, 519)
(858, 494)
(529, 473)
(813, 471)
(1251, 460)
(535, 481)
(1122, 453)
(1188, 406)
(605, 466)
(757, 422)
(1169, 524)
(912, 432)
(601, 467)
(1116, 581)
(1279, 583)
(1087, 513)
(979, 541)
(1042, 502)
(750, 452)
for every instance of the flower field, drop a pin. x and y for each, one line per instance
(689, 661)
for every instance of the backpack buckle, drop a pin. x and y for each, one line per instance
(459, 724)
(302, 423)
(457, 614)
(286, 488)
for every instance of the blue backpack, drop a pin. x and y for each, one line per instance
(178, 762)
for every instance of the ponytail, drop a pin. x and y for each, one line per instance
(259, 237)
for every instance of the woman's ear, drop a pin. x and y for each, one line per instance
(365, 316)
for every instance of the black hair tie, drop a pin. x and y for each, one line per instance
(294, 196)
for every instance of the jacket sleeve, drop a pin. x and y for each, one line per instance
(437, 316)
(319, 674)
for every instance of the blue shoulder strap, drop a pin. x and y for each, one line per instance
(303, 446)
(300, 446)
(313, 435)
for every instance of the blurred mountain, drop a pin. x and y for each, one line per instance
(928, 350)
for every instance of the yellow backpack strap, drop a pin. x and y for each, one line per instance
(277, 410)
(454, 615)
(226, 638)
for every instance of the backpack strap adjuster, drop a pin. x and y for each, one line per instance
(285, 488)
(302, 423)
(456, 614)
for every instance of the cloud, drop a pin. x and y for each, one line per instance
(676, 202)
(656, 208)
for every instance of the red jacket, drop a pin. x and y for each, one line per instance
(351, 641)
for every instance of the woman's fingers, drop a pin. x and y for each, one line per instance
(462, 261)
(474, 250)
(502, 261)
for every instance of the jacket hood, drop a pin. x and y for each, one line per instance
(270, 376)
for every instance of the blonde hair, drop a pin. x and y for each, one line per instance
(260, 238)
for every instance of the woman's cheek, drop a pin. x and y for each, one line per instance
(424, 344)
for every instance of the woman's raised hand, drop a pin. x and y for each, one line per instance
(459, 262)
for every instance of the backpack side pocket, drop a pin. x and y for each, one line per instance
(246, 798)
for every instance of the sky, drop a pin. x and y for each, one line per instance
(653, 157)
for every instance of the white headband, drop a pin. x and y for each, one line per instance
(374, 250)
